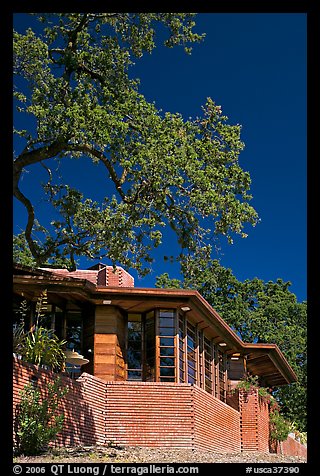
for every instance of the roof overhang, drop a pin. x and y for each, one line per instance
(268, 361)
(265, 360)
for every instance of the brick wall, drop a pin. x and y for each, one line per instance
(149, 414)
(119, 278)
(105, 276)
(263, 426)
(254, 422)
(83, 405)
(291, 447)
(137, 413)
(167, 414)
(216, 424)
(154, 414)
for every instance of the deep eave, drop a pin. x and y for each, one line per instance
(262, 359)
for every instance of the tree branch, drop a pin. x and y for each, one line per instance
(88, 149)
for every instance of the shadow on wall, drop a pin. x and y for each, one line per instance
(79, 426)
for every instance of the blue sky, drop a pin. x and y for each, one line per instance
(254, 66)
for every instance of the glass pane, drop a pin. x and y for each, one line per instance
(190, 342)
(167, 341)
(167, 372)
(166, 322)
(74, 331)
(134, 359)
(167, 313)
(208, 374)
(58, 324)
(134, 375)
(150, 353)
(191, 371)
(166, 361)
(167, 379)
(134, 345)
(134, 326)
(151, 361)
(167, 331)
(167, 351)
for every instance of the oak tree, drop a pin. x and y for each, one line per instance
(75, 98)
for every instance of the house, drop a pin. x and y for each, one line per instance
(167, 342)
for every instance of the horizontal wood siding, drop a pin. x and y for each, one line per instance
(216, 425)
(109, 344)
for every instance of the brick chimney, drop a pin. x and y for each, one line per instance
(107, 276)
(100, 275)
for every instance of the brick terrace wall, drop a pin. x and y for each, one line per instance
(254, 422)
(83, 405)
(216, 424)
(137, 413)
(291, 447)
(149, 414)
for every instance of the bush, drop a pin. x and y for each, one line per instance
(37, 421)
(39, 346)
(279, 427)
(42, 347)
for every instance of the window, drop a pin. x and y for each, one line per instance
(208, 358)
(222, 375)
(165, 346)
(200, 359)
(191, 353)
(134, 347)
(150, 348)
(182, 352)
(73, 330)
(166, 331)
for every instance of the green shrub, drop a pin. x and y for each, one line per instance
(39, 346)
(278, 426)
(42, 347)
(37, 421)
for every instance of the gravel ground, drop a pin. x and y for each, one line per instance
(116, 454)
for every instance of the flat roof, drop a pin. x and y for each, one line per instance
(263, 359)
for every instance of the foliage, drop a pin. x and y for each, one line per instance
(299, 435)
(248, 382)
(259, 312)
(39, 345)
(42, 347)
(251, 382)
(279, 426)
(37, 421)
(18, 336)
(73, 84)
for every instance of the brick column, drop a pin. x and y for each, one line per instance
(254, 422)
